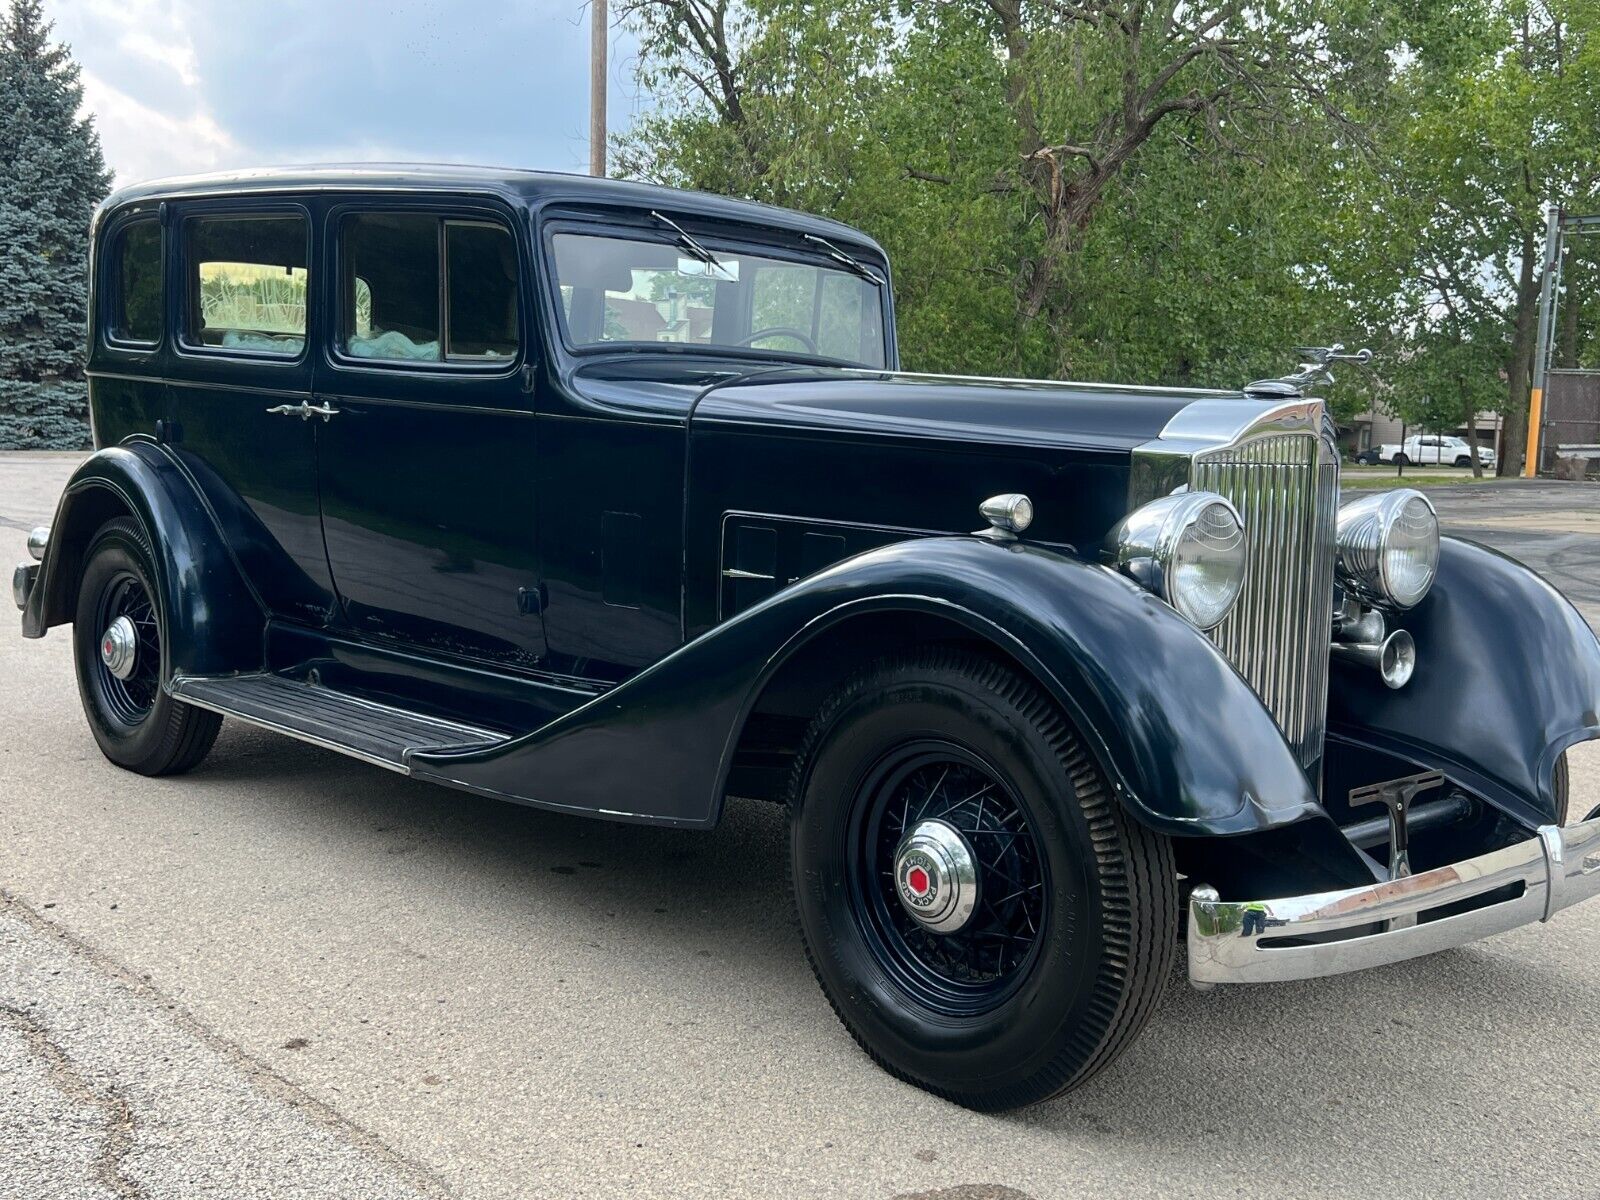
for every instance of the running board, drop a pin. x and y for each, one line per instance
(376, 733)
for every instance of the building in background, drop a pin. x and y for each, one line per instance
(1375, 427)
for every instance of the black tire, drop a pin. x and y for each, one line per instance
(1049, 1009)
(1561, 786)
(1463, 461)
(1402, 460)
(136, 723)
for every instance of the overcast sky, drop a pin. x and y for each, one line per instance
(179, 86)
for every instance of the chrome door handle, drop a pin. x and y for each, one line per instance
(305, 411)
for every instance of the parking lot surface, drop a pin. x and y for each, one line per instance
(290, 974)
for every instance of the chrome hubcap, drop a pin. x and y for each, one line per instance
(119, 648)
(936, 876)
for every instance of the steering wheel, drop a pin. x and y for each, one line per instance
(798, 335)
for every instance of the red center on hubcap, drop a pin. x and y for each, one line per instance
(917, 880)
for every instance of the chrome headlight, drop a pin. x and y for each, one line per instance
(1189, 549)
(1389, 548)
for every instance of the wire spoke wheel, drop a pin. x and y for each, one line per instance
(949, 886)
(129, 695)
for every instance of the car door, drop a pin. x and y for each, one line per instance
(240, 296)
(426, 456)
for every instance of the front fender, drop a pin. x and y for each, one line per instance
(1187, 745)
(1507, 678)
(212, 623)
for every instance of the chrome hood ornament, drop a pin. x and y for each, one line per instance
(1313, 370)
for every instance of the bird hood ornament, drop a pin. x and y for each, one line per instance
(1313, 369)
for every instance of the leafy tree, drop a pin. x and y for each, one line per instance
(1160, 191)
(1129, 190)
(52, 175)
(1494, 114)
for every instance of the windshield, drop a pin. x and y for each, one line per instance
(621, 290)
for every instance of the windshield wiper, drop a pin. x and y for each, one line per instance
(839, 256)
(693, 247)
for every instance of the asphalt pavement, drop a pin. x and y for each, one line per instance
(292, 975)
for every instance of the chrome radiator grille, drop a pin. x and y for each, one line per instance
(1286, 487)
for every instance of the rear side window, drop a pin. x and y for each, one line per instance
(247, 281)
(136, 285)
(421, 288)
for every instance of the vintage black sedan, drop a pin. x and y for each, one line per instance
(613, 500)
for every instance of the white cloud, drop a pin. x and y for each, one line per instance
(142, 82)
(143, 143)
(184, 86)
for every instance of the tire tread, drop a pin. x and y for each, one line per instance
(1136, 876)
(189, 732)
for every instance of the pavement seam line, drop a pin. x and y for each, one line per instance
(256, 1072)
(72, 1083)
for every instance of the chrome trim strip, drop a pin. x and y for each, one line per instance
(1237, 941)
(1068, 384)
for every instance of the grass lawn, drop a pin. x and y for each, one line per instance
(1378, 478)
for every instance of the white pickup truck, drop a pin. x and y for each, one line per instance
(1428, 449)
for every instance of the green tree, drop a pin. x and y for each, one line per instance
(1494, 113)
(52, 175)
(1137, 190)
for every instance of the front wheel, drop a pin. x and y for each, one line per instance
(117, 646)
(1463, 461)
(980, 912)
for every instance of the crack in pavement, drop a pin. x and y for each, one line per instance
(75, 1086)
(118, 1113)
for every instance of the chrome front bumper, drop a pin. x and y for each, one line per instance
(1235, 941)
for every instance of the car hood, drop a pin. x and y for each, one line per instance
(956, 408)
(838, 401)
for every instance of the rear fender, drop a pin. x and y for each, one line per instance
(1507, 679)
(1186, 744)
(212, 621)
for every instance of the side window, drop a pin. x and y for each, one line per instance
(246, 279)
(422, 289)
(134, 285)
(481, 267)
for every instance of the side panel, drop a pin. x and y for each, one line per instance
(214, 622)
(1507, 678)
(1186, 742)
(611, 484)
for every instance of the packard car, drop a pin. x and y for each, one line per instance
(614, 500)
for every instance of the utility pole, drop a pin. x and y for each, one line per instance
(1541, 354)
(597, 87)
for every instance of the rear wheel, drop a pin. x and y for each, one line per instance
(983, 917)
(117, 645)
(1402, 460)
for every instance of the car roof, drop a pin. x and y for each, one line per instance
(525, 187)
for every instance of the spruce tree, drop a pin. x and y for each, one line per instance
(52, 175)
